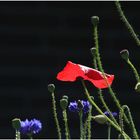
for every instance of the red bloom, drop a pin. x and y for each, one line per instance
(73, 71)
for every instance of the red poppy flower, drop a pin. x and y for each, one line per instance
(73, 71)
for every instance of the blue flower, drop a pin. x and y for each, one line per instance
(73, 106)
(30, 127)
(113, 113)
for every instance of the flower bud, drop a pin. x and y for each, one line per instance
(51, 87)
(92, 97)
(95, 20)
(101, 119)
(65, 97)
(16, 123)
(93, 51)
(63, 103)
(137, 87)
(80, 105)
(125, 54)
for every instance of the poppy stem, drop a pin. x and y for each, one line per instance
(55, 116)
(121, 114)
(89, 124)
(81, 124)
(134, 70)
(100, 91)
(66, 124)
(109, 131)
(95, 34)
(106, 107)
(127, 24)
(17, 135)
(100, 111)
(85, 128)
(135, 134)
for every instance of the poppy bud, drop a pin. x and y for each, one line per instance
(16, 123)
(137, 87)
(80, 105)
(65, 97)
(100, 119)
(51, 87)
(125, 54)
(93, 51)
(63, 103)
(95, 20)
(92, 97)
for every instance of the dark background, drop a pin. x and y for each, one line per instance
(36, 41)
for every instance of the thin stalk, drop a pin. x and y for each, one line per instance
(85, 129)
(66, 124)
(17, 135)
(55, 116)
(109, 131)
(121, 114)
(81, 124)
(117, 103)
(95, 34)
(134, 70)
(135, 134)
(126, 22)
(100, 111)
(89, 124)
(101, 96)
(106, 107)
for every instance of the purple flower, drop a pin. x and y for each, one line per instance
(30, 127)
(73, 106)
(113, 113)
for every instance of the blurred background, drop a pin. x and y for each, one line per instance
(36, 41)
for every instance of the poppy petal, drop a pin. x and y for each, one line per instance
(96, 77)
(72, 71)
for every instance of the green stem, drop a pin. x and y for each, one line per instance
(135, 134)
(100, 94)
(81, 124)
(134, 70)
(127, 24)
(17, 135)
(100, 111)
(121, 114)
(66, 124)
(109, 131)
(55, 116)
(89, 124)
(95, 34)
(85, 129)
(106, 107)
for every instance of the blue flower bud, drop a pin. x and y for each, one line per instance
(85, 105)
(30, 127)
(80, 105)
